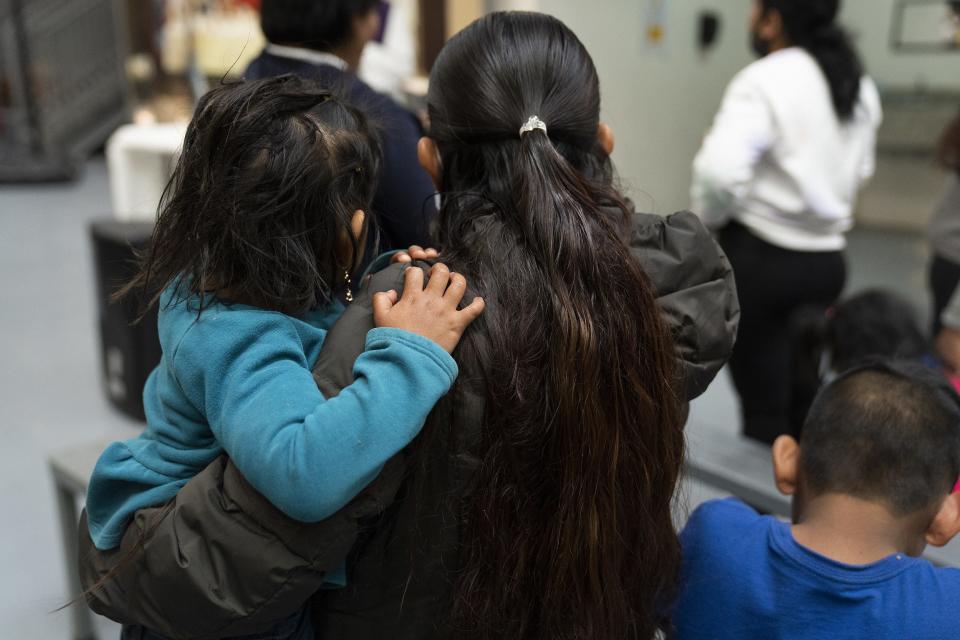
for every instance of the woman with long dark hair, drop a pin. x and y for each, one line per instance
(778, 176)
(568, 530)
(537, 502)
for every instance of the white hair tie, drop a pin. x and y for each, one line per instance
(534, 122)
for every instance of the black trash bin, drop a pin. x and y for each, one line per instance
(129, 350)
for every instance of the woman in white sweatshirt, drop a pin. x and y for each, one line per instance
(777, 177)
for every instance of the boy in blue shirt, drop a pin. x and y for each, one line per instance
(871, 483)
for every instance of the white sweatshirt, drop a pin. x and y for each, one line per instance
(779, 160)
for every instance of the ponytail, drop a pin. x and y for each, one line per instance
(811, 25)
(831, 48)
(567, 532)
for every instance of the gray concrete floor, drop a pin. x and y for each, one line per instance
(50, 387)
(50, 393)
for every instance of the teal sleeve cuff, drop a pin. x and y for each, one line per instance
(385, 336)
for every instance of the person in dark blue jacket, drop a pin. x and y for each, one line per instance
(324, 41)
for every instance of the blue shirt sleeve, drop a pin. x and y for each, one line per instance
(308, 455)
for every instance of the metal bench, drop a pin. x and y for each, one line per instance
(71, 468)
(730, 464)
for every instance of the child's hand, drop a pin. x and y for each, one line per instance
(430, 312)
(415, 252)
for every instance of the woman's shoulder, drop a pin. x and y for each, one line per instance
(773, 64)
(678, 235)
(695, 291)
(787, 70)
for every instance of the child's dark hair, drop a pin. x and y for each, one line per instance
(270, 176)
(316, 24)
(871, 324)
(887, 431)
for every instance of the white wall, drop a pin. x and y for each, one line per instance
(905, 189)
(870, 22)
(659, 103)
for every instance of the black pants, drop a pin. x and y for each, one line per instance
(773, 285)
(944, 277)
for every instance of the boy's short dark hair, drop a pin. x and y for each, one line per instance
(316, 24)
(885, 431)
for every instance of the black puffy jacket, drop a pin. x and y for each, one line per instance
(220, 560)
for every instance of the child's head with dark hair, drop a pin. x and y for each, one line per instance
(267, 205)
(324, 25)
(885, 433)
(873, 324)
(866, 326)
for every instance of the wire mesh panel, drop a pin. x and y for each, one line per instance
(62, 83)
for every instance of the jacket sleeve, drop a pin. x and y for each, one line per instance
(220, 560)
(695, 289)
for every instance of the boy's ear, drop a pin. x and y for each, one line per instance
(786, 464)
(429, 157)
(605, 138)
(946, 524)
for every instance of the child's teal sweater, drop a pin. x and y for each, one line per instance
(238, 379)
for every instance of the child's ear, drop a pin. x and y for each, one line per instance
(356, 224)
(786, 463)
(946, 524)
(605, 138)
(429, 157)
(344, 249)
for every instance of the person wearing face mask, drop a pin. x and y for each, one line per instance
(777, 177)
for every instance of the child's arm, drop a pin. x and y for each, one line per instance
(310, 456)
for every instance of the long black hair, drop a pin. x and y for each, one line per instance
(270, 175)
(812, 25)
(567, 531)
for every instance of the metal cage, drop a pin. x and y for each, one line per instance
(63, 86)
